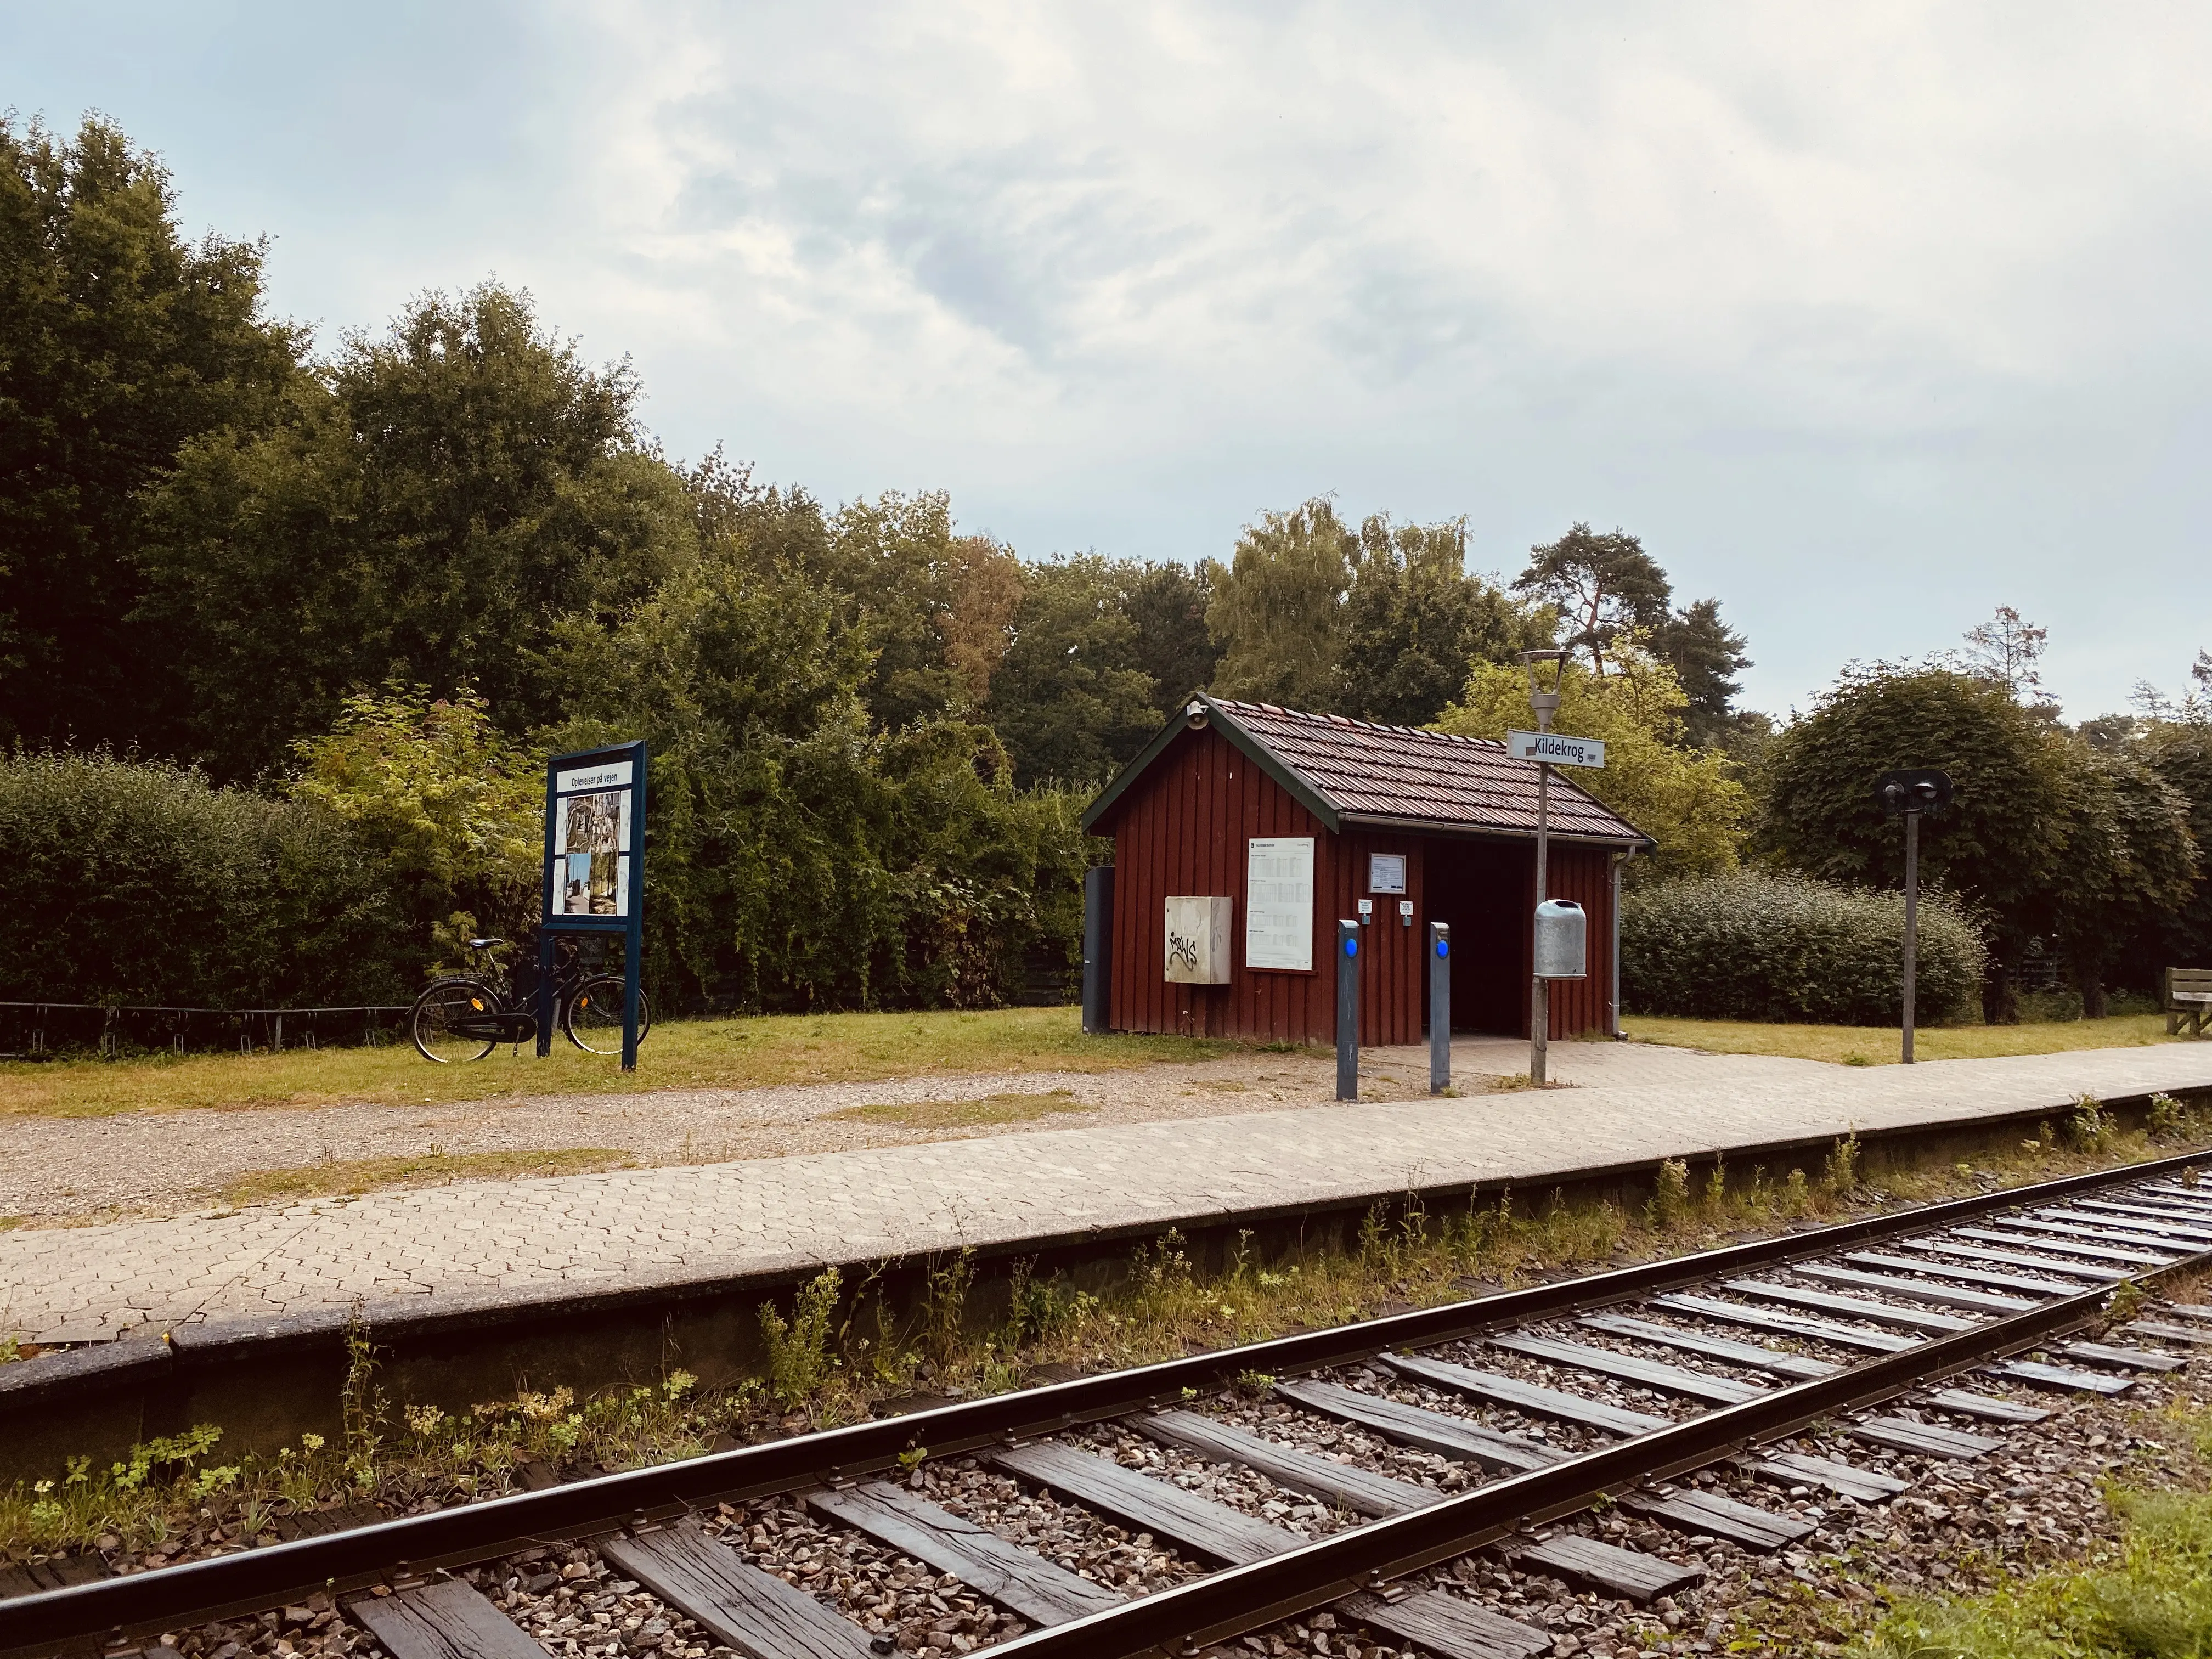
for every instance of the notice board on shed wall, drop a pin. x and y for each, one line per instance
(1279, 900)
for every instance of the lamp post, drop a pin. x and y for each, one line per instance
(1907, 794)
(1544, 701)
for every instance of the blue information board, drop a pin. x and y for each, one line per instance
(594, 869)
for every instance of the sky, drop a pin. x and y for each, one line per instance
(1866, 320)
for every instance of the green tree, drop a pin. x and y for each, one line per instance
(1168, 603)
(2000, 846)
(453, 807)
(1707, 655)
(1277, 609)
(1415, 620)
(2131, 863)
(1605, 587)
(2179, 748)
(803, 857)
(1068, 698)
(1685, 799)
(119, 342)
(438, 500)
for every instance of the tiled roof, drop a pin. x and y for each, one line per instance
(1399, 772)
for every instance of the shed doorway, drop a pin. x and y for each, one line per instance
(1485, 890)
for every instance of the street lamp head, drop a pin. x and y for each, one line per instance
(1544, 698)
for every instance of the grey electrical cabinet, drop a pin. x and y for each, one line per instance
(1562, 940)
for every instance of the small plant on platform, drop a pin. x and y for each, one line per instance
(1670, 1194)
(362, 1404)
(1842, 1175)
(2089, 1129)
(1796, 1195)
(798, 1358)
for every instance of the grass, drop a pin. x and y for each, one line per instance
(2146, 1596)
(964, 1114)
(368, 1175)
(1869, 1045)
(839, 1355)
(718, 1054)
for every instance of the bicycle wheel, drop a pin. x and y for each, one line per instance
(593, 1016)
(444, 1003)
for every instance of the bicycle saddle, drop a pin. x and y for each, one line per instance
(484, 944)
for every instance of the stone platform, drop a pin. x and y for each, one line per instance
(482, 1245)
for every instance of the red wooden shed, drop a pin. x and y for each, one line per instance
(1293, 818)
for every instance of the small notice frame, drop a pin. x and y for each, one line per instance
(594, 869)
(1279, 903)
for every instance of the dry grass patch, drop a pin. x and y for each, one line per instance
(1872, 1045)
(349, 1177)
(964, 1114)
(682, 1053)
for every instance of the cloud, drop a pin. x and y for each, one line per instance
(1868, 318)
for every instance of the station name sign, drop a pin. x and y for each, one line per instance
(1551, 747)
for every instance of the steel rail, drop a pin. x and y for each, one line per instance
(1226, 1604)
(193, 1592)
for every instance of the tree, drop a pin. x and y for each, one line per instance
(1999, 845)
(119, 342)
(1167, 602)
(1277, 609)
(450, 804)
(1414, 621)
(2131, 863)
(2180, 935)
(1684, 798)
(1069, 699)
(1706, 655)
(1603, 586)
(437, 502)
(2005, 651)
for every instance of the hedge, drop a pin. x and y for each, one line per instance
(1749, 946)
(143, 883)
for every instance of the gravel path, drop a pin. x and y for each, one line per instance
(163, 1163)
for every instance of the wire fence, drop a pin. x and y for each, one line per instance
(41, 1030)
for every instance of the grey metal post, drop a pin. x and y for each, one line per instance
(1097, 949)
(545, 991)
(1347, 1009)
(1439, 1007)
(1911, 919)
(1540, 1000)
(1619, 859)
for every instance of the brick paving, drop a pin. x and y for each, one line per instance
(641, 1227)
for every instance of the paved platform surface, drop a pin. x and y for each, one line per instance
(637, 1228)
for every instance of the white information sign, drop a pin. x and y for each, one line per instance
(1559, 751)
(1279, 899)
(1385, 872)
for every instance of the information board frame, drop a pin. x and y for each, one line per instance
(598, 797)
(1286, 949)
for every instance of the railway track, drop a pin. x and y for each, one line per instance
(1929, 1332)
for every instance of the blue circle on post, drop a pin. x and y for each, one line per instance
(1351, 947)
(1444, 947)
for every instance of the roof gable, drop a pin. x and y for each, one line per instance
(1340, 769)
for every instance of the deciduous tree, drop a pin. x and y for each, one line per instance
(1685, 799)
(1278, 611)
(434, 505)
(119, 342)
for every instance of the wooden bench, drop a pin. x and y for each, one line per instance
(2188, 1000)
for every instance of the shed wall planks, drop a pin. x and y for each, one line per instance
(1183, 830)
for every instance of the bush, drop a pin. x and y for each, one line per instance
(1755, 946)
(143, 883)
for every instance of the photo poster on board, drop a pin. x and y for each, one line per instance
(1279, 901)
(589, 874)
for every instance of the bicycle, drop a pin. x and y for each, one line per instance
(463, 1017)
